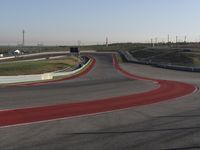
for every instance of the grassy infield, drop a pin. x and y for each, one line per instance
(36, 67)
(168, 56)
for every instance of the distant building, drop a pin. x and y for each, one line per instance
(17, 52)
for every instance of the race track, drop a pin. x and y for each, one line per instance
(95, 111)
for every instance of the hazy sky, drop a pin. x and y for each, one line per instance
(90, 21)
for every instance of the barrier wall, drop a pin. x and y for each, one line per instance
(128, 58)
(46, 76)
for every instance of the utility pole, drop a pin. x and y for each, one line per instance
(106, 41)
(23, 38)
(79, 43)
(185, 39)
(152, 44)
(199, 39)
(176, 39)
(176, 44)
(156, 41)
(168, 40)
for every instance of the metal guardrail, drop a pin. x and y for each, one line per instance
(181, 68)
(130, 58)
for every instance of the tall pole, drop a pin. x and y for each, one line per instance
(156, 40)
(185, 40)
(106, 41)
(176, 39)
(152, 44)
(23, 38)
(168, 40)
(79, 43)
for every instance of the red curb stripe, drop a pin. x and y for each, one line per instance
(167, 90)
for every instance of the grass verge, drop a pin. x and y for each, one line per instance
(37, 67)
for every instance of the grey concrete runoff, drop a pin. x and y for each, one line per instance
(173, 124)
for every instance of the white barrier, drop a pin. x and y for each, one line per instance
(57, 74)
(4, 58)
(39, 77)
(47, 76)
(17, 79)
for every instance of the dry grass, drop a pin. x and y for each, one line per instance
(37, 67)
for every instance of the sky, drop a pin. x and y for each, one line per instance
(64, 22)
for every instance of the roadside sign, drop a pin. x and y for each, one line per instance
(74, 51)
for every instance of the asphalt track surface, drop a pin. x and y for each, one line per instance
(162, 125)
